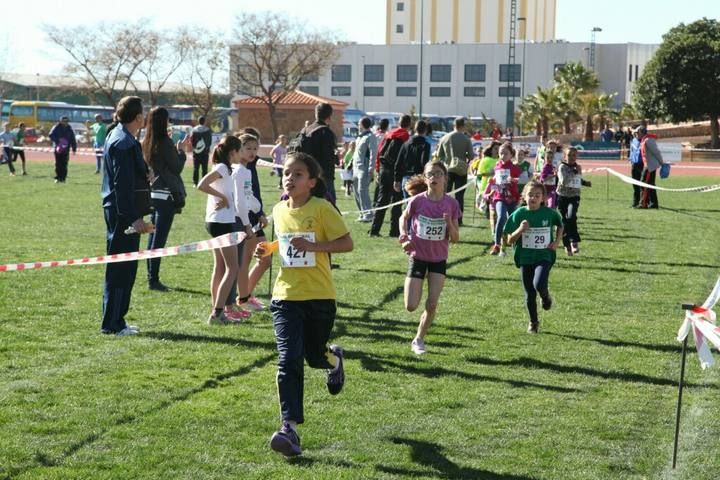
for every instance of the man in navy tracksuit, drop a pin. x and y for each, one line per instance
(636, 162)
(125, 171)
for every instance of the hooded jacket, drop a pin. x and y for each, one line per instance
(413, 156)
(387, 155)
(201, 140)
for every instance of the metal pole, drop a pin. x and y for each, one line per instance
(474, 199)
(522, 69)
(607, 183)
(679, 402)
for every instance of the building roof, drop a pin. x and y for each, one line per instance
(45, 81)
(296, 97)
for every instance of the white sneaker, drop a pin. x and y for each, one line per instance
(502, 253)
(126, 332)
(133, 327)
(418, 346)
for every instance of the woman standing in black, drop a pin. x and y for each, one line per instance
(168, 191)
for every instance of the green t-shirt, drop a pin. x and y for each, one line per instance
(100, 131)
(485, 171)
(531, 247)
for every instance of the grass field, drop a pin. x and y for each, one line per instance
(591, 397)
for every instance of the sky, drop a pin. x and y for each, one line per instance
(24, 48)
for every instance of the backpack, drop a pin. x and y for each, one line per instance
(306, 142)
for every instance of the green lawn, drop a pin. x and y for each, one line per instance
(592, 396)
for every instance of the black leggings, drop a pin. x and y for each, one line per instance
(568, 207)
(535, 280)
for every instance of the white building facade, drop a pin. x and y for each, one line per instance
(467, 79)
(467, 21)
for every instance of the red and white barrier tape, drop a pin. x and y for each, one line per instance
(226, 240)
(702, 321)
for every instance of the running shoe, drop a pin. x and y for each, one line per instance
(502, 253)
(220, 319)
(533, 327)
(495, 250)
(235, 314)
(255, 305)
(286, 441)
(546, 301)
(418, 346)
(569, 251)
(575, 248)
(336, 376)
(126, 332)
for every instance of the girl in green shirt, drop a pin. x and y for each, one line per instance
(530, 231)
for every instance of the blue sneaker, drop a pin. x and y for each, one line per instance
(286, 441)
(336, 376)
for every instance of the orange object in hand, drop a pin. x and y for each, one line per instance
(270, 247)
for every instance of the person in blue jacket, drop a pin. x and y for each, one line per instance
(636, 163)
(124, 184)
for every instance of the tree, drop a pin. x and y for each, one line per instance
(274, 53)
(203, 72)
(682, 80)
(107, 55)
(594, 107)
(574, 80)
(160, 54)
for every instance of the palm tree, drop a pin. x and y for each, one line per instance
(573, 81)
(547, 106)
(529, 112)
(595, 106)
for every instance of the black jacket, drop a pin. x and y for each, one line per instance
(413, 156)
(321, 145)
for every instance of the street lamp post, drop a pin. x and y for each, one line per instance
(522, 67)
(422, 30)
(37, 87)
(592, 46)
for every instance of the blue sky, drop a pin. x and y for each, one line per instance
(23, 48)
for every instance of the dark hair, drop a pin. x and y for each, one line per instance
(250, 131)
(487, 151)
(459, 122)
(405, 121)
(157, 125)
(221, 153)
(384, 124)
(201, 120)
(128, 108)
(314, 169)
(435, 163)
(323, 111)
(365, 122)
(421, 127)
(531, 185)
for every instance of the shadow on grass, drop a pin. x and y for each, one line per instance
(624, 270)
(376, 364)
(650, 262)
(185, 337)
(187, 290)
(45, 460)
(620, 343)
(430, 455)
(690, 213)
(557, 368)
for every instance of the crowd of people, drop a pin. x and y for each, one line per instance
(531, 208)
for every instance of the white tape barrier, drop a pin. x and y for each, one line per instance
(632, 181)
(226, 240)
(702, 321)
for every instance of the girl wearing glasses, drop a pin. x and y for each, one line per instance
(432, 218)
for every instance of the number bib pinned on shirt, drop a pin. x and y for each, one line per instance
(434, 229)
(536, 238)
(291, 257)
(551, 180)
(502, 176)
(576, 182)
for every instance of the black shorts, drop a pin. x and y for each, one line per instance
(254, 220)
(419, 268)
(218, 229)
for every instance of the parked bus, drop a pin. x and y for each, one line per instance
(221, 121)
(43, 115)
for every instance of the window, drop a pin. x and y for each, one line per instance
(407, 73)
(513, 71)
(440, 73)
(557, 67)
(310, 77)
(474, 73)
(399, 28)
(504, 92)
(406, 91)
(439, 91)
(630, 73)
(474, 91)
(311, 89)
(340, 92)
(373, 91)
(374, 73)
(19, 111)
(400, 6)
(341, 73)
(636, 72)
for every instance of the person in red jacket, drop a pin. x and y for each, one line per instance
(384, 191)
(502, 192)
